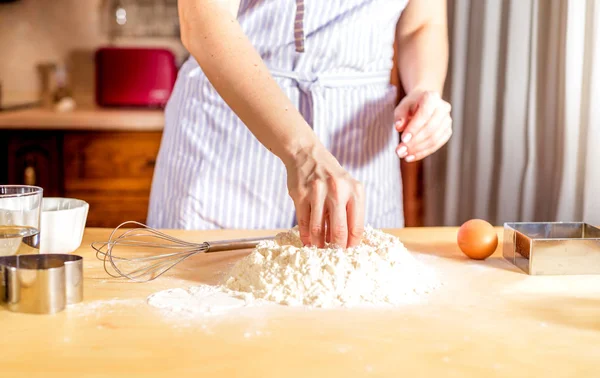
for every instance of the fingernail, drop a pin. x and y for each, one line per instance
(406, 137)
(399, 123)
(402, 152)
(410, 158)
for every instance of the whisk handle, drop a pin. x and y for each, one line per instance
(230, 245)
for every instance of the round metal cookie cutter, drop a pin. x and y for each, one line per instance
(41, 284)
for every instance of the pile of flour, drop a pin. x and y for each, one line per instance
(380, 270)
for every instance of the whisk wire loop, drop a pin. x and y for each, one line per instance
(142, 239)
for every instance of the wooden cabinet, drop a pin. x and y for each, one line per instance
(110, 170)
(34, 159)
(3, 158)
(412, 191)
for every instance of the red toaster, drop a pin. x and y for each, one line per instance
(134, 77)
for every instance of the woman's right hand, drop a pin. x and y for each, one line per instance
(330, 204)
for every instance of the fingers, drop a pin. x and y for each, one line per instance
(425, 108)
(400, 121)
(428, 129)
(356, 216)
(433, 124)
(303, 218)
(402, 114)
(338, 193)
(333, 214)
(317, 219)
(338, 224)
(346, 218)
(433, 143)
(329, 203)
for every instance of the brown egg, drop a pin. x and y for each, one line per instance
(477, 239)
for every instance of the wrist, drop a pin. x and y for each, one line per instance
(313, 152)
(425, 87)
(299, 147)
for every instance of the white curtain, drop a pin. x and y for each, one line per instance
(524, 82)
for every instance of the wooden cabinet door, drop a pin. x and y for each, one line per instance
(33, 158)
(4, 157)
(112, 171)
(412, 191)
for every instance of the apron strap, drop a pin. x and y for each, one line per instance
(299, 26)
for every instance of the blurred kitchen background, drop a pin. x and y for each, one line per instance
(82, 84)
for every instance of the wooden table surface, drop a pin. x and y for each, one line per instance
(488, 319)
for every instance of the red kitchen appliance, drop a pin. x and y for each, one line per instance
(134, 77)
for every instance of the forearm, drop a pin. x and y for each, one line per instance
(215, 39)
(423, 59)
(423, 46)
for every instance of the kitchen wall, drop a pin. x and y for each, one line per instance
(33, 32)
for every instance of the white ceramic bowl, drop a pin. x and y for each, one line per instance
(62, 224)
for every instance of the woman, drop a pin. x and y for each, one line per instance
(286, 114)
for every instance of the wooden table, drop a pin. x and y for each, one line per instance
(489, 319)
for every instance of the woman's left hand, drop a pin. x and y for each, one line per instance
(424, 119)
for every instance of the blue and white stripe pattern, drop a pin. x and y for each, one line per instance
(211, 171)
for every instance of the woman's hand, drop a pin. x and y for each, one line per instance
(329, 202)
(425, 122)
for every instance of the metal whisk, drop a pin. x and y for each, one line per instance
(135, 253)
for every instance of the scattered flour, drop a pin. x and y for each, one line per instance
(195, 300)
(102, 306)
(379, 271)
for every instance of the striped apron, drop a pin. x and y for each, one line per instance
(333, 59)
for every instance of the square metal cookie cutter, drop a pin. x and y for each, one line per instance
(552, 248)
(41, 284)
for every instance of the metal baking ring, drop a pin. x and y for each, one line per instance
(41, 284)
(552, 248)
